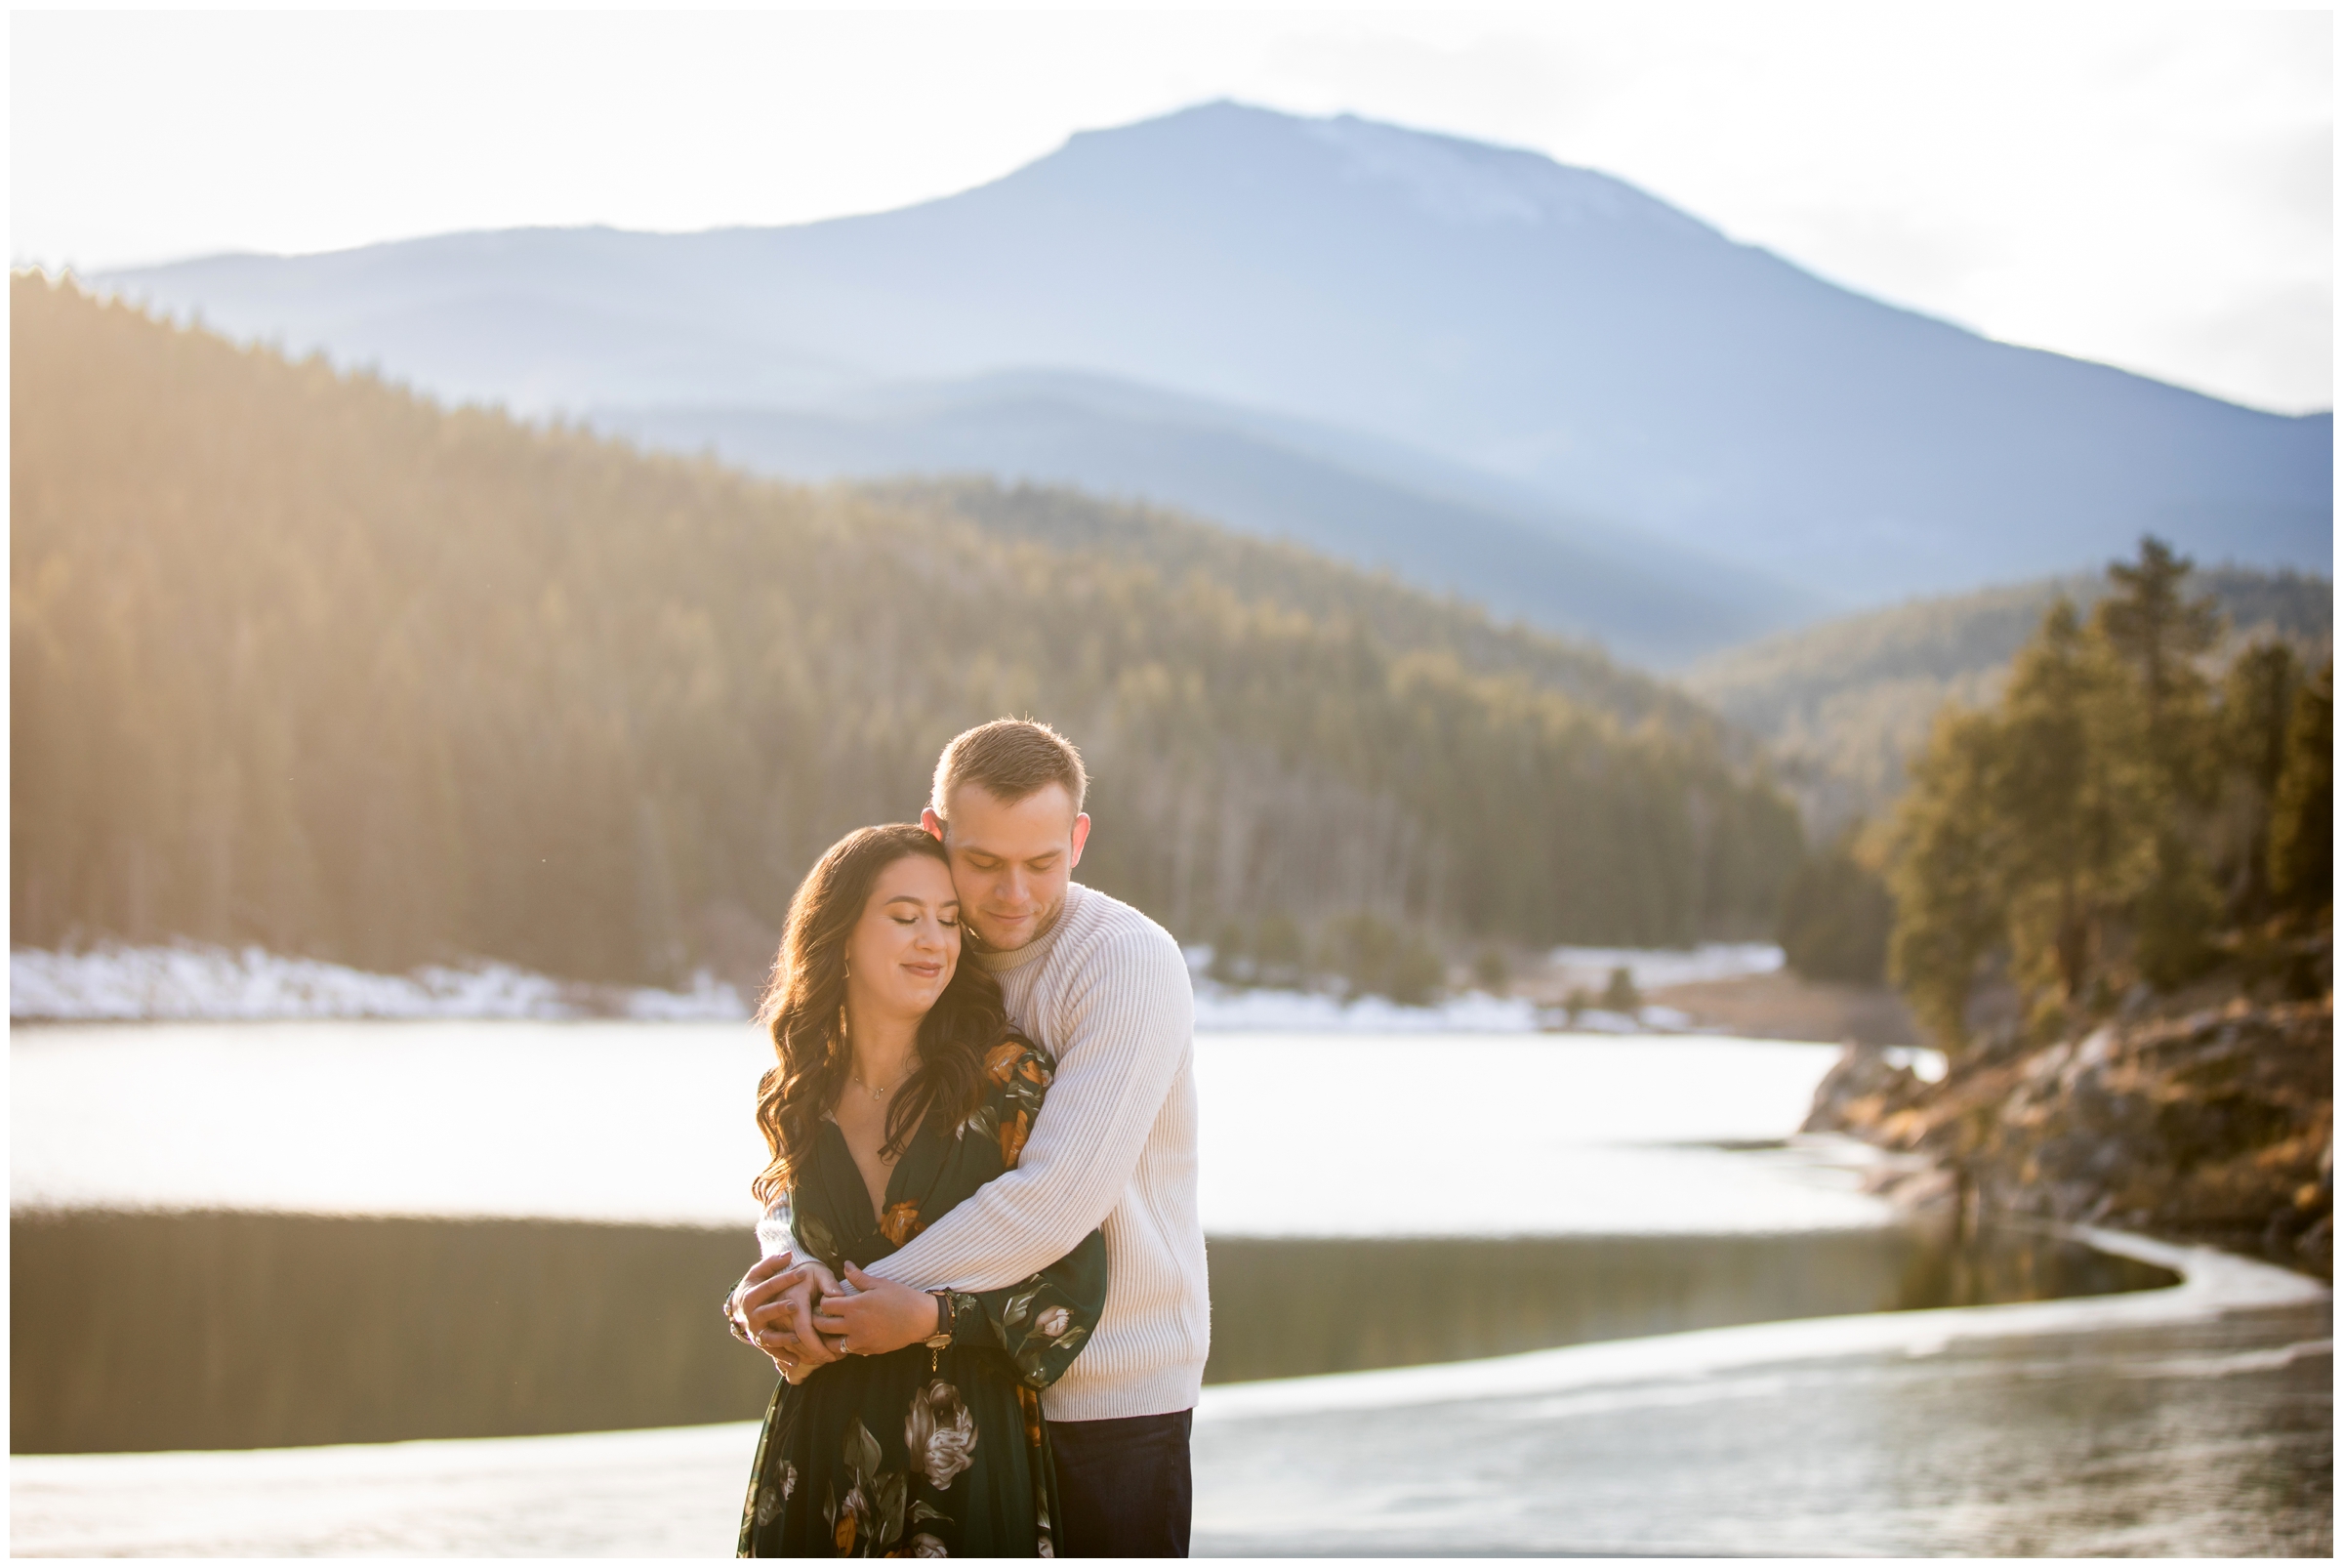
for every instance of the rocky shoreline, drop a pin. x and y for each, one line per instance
(2211, 1123)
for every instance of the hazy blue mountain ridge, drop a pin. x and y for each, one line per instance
(1433, 523)
(1545, 325)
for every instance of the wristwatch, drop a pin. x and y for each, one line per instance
(941, 1339)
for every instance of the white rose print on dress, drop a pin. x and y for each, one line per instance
(940, 1433)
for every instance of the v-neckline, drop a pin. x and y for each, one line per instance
(895, 1172)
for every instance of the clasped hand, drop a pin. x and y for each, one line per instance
(802, 1316)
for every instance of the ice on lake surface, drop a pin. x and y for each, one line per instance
(1302, 1135)
(2189, 1422)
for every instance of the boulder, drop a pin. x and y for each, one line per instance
(2215, 1124)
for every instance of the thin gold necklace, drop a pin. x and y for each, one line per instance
(845, 1038)
(877, 1094)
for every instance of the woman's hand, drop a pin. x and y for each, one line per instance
(881, 1315)
(773, 1309)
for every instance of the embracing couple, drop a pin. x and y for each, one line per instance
(989, 1310)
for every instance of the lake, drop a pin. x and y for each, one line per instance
(342, 1202)
(1527, 1134)
(1579, 1197)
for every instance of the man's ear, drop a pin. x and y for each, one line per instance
(936, 827)
(1082, 832)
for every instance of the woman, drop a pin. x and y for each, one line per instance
(900, 1090)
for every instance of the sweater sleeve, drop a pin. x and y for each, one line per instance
(1122, 1030)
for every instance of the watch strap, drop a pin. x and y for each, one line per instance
(941, 1339)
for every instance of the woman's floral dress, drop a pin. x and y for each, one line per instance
(926, 1453)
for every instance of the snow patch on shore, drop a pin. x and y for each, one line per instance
(1223, 1009)
(1654, 968)
(1265, 1009)
(191, 983)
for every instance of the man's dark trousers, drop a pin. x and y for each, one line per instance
(1122, 1486)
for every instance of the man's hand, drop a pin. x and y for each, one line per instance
(881, 1315)
(773, 1309)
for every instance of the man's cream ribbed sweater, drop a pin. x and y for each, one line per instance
(1105, 990)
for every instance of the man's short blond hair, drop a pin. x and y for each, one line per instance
(1009, 759)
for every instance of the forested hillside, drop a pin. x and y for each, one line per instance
(1844, 704)
(1438, 525)
(304, 660)
(1400, 617)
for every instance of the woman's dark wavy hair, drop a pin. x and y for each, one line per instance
(806, 999)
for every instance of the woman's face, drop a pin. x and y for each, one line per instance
(901, 952)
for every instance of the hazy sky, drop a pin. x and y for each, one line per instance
(2155, 191)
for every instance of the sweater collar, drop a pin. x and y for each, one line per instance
(1034, 951)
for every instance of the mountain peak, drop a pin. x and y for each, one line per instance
(1448, 178)
(1475, 183)
(1548, 330)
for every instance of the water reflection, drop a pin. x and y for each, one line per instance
(1288, 1307)
(286, 1329)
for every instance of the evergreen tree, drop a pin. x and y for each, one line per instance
(2161, 632)
(2302, 831)
(2031, 830)
(1835, 918)
(1620, 994)
(2257, 710)
(2075, 805)
(1945, 874)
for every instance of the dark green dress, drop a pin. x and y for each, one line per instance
(926, 1453)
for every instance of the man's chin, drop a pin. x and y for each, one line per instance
(1009, 938)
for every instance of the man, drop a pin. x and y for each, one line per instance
(1106, 991)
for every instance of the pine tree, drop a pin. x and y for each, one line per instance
(1945, 874)
(2302, 830)
(2075, 805)
(2032, 829)
(2159, 633)
(1835, 918)
(2257, 709)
